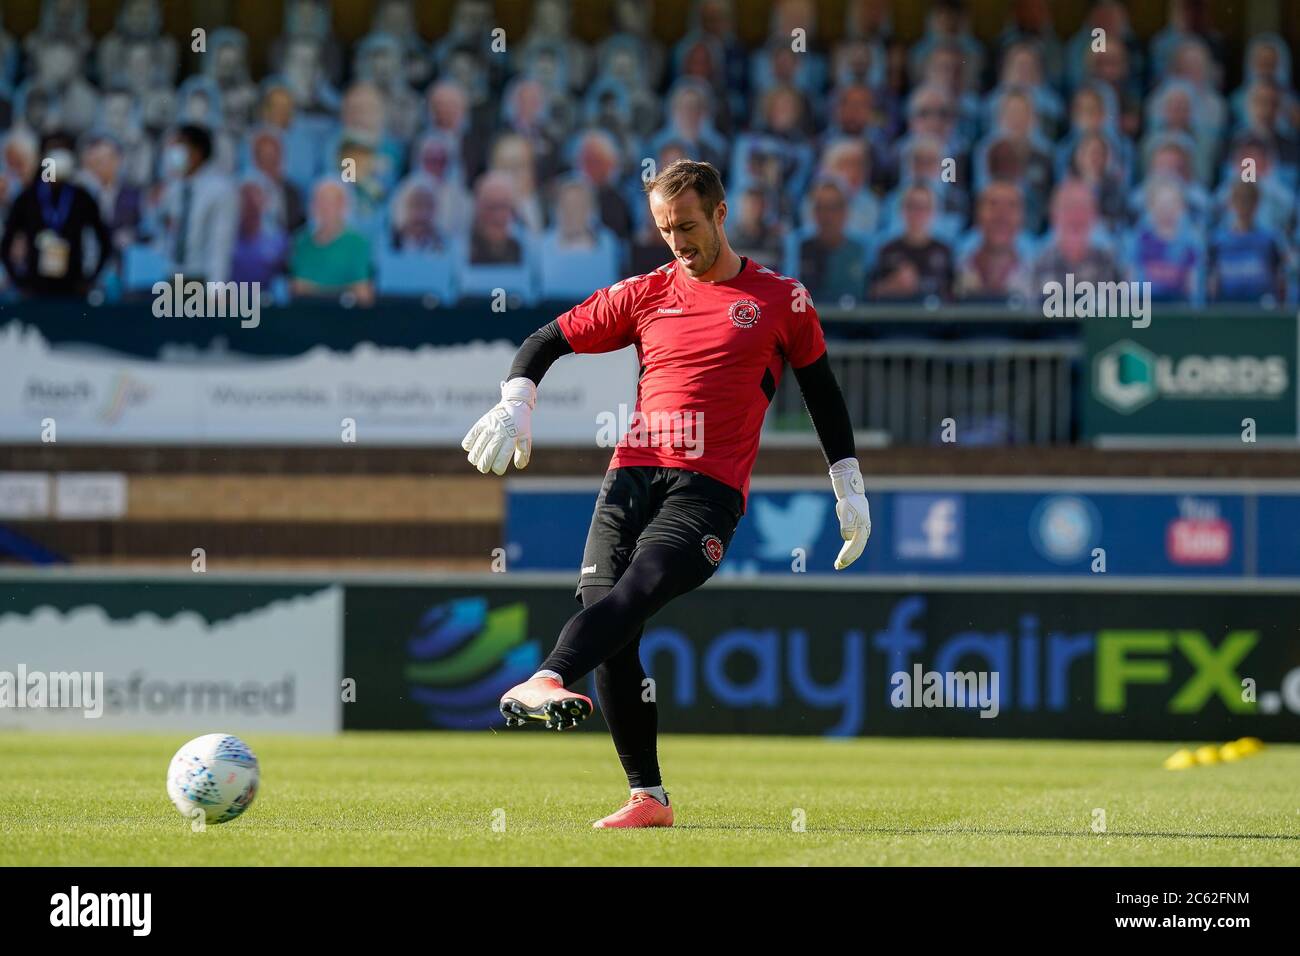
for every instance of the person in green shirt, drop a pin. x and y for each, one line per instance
(832, 265)
(328, 258)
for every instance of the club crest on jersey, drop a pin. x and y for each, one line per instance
(712, 548)
(744, 313)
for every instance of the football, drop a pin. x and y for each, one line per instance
(216, 774)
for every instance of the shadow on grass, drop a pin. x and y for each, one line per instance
(992, 831)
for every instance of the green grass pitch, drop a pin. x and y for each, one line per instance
(433, 798)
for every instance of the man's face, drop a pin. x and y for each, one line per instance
(1111, 65)
(596, 162)
(395, 18)
(528, 101)
(1166, 209)
(57, 64)
(1073, 216)
(622, 65)
(472, 17)
(447, 106)
(328, 205)
(932, 116)
(1169, 161)
(946, 69)
(1016, 116)
(363, 108)
(830, 212)
(574, 210)
(463, 68)
(137, 17)
(197, 107)
(420, 209)
(1178, 111)
(1022, 68)
(138, 70)
(385, 65)
(918, 210)
(266, 154)
(278, 108)
(495, 211)
(850, 166)
(1000, 214)
(1263, 60)
(1262, 105)
(1190, 63)
(1110, 17)
(784, 110)
(923, 164)
(1092, 156)
(698, 62)
(301, 63)
(16, 159)
(1244, 202)
(1088, 113)
(102, 160)
(692, 234)
(854, 111)
(229, 66)
(714, 17)
(117, 112)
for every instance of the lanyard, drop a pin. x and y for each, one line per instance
(54, 218)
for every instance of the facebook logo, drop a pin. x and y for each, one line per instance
(928, 527)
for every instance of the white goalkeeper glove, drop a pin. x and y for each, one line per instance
(505, 430)
(852, 509)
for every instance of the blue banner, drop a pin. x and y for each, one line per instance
(966, 531)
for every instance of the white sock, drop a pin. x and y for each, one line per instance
(657, 792)
(551, 674)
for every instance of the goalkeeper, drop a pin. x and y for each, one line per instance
(713, 332)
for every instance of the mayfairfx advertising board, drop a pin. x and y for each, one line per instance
(159, 655)
(1206, 377)
(1191, 665)
(1201, 663)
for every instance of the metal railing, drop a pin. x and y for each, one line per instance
(995, 392)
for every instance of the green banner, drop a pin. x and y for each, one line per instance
(1122, 664)
(1191, 376)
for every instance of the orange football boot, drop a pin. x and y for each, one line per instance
(641, 810)
(544, 699)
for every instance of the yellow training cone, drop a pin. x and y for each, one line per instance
(1180, 760)
(1207, 754)
(1250, 745)
(1230, 752)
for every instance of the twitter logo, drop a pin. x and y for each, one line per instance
(783, 527)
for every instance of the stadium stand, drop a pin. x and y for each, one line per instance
(457, 145)
(925, 169)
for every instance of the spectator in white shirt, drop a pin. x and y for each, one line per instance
(201, 207)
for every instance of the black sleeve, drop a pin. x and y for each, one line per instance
(538, 352)
(102, 235)
(825, 403)
(13, 226)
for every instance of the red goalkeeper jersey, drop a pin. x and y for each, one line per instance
(711, 355)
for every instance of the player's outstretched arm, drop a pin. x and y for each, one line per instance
(506, 430)
(830, 416)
